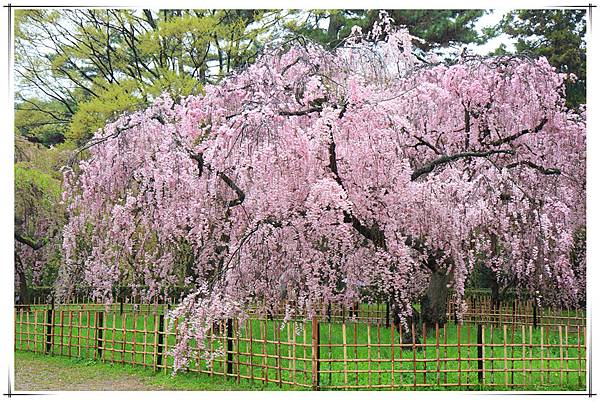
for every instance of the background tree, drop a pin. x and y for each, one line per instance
(558, 35)
(438, 28)
(39, 216)
(90, 65)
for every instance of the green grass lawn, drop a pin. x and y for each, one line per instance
(285, 356)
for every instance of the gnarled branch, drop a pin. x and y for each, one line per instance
(511, 138)
(428, 168)
(541, 169)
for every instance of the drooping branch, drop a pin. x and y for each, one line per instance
(96, 141)
(314, 109)
(199, 158)
(374, 233)
(34, 244)
(428, 168)
(231, 184)
(511, 138)
(541, 169)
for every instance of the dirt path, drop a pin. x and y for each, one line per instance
(48, 374)
(36, 372)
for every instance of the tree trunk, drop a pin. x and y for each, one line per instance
(434, 301)
(23, 292)
(496, 297)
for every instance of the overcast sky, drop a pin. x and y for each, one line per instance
(489, 20)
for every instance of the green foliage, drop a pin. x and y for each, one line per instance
(81, 68)
(37, 184)
(41, 121)
(439, 28)
(558, 35)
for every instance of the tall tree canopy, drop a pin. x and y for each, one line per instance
(438, 28)
(315, 176)
(90, 65)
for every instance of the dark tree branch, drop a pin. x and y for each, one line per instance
(314, 109)
(374, 233)
(541, 169)
(511, 138)
(231, 184)
(34, 244)
(428, 168)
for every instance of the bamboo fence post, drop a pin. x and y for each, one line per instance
(560, 351)
(145, 347)
(124, 337)
(579, 354)
(424, 346)
(49, 329)
(505, 358)
(369, 354)
(161, 341)
(224, 336)
(249, 324)
(315, 353)
(414, 347)
(304, 343)
(31, 326)
(401, 341)
(542, 354)
(113, 336)
(330, 351)
(134, 339)
(277, 334)
(480, 354)
(229, 328)
(60, 326)
(356, 350)
(567, 349)
(437, 352)
(100, 333)
(70, 342)
(265, 359)
(236, 333)
(530, 376)
(294, 353)
(458, 351)
(512, 354)
(79, 334)
(378, 353)
(392, 343)
(523, 351)
(492, 370)
(22, 331)
(445, 355)
(155, 348)
(288, 341)
(346, 355)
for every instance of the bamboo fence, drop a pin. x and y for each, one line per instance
(321, 353)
